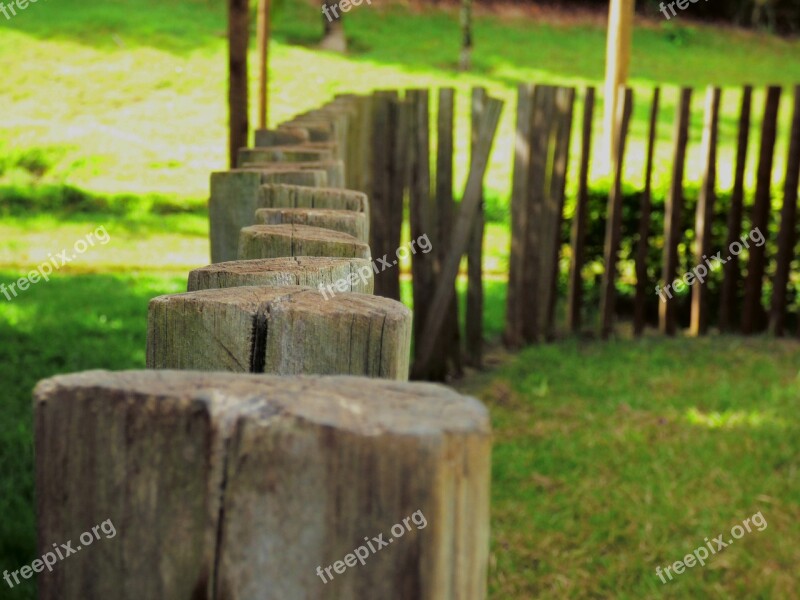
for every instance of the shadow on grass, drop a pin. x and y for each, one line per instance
(70, 324)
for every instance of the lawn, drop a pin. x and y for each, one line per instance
(610, 459)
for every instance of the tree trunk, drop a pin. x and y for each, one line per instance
(618, 58)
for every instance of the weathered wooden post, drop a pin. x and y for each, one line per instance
(347, 221)
(280, 330)
(308, 271)
(235, 198)
(278, 241)
(235, 486)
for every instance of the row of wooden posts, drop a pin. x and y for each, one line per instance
(275, 429)
(544, 120)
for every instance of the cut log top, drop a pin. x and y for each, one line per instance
(359, 405)
(266, 300)
(266, 216)
(350, 222)
(274, 241)
(281, 195)
(288, 330)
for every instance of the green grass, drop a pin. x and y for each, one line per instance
(139, 87)
(613, 459)
(610, 459)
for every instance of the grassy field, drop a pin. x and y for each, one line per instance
(610, 459)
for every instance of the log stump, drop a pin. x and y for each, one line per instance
(347, 221)
(286, 154)
(283, 331)
(280, 195)
(308, 271)
(235, 198)
(282, 241)
(333, 168)
(226, 486)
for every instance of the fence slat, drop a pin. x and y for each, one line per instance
(474, 314)
(787, 236)
(450, 339)
(554, 207)
(705, 211)
(460, 236)
(614, 215)
(534, 278)
(674, 209)
(579, 220)
(753, 314)
(645, 216)
(512, 336)
(730, 270)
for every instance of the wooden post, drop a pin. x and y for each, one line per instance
(519, 217)
(474, 314)
(296, 196)
(460, 236)
(705, 211)
(263, 63)
(533, 275)
(450, 339)
(380, 192)
(260, 483)
(347, 221)
(238, 41)
(614, 217)
(235, 198)
(288, 154)
(753, 310)
(674, 208)
(279, 241)
(731, 276)
(282, 137)
(619, 41)
(561, 132)
(645, 211)
(354, 274)
(787, 236)
(423, 221)
(579, 221)
(334, 169)
(280, 330)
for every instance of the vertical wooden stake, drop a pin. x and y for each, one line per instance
(705, 211)
(753, 311)
(579, 221)
(238, 39)
(474, 325)
(674, 208)
(730, 271)
(263, 66)
(645, 211)
(788, 232)
(519, 217)
(614, 217)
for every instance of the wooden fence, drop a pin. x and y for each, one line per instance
(275, 436)
(544, 117)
